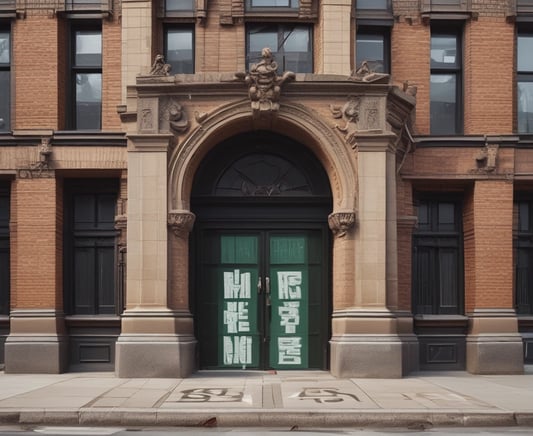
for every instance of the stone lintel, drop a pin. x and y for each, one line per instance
(149, 142)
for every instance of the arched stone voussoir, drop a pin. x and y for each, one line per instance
(296, 121)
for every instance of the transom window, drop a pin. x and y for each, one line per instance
(272, 4)
(524, 61)
(374, 4)
(437, 258)
(446, 81)
(291, 46)
(86, 69)
(179, 48)
(5, 78)
(179, 5)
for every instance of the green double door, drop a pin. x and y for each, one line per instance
(262, 299)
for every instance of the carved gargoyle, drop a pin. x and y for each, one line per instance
(350, 113)
(177, 120)
(159, 67)
(265, 84)
(365, 74)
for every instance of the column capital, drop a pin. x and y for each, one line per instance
(341, 222)
(181, 222)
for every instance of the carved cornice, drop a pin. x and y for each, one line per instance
(341, 222)
(181, 223)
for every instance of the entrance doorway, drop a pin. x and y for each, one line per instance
(260, 285)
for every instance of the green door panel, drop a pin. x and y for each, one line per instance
(289, 302)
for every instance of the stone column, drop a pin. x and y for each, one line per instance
(37, 341)
(335, 32)
(365, 341)
(153, 341)
(493, 344)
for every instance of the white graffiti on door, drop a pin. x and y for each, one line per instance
(290, 285)
(290, 316)
(290, 351)
(289, 288)
(237, 350)
(237, 285)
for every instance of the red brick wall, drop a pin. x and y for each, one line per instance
(488, 76)
(111, 73)
(35, 61)
(488, 219)
(37, 257)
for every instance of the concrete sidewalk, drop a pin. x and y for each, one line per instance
(253, 398)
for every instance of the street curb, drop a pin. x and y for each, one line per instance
(420, 419)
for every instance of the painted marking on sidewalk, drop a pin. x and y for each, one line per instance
(78, 430)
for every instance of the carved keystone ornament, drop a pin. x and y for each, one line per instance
(264, 84)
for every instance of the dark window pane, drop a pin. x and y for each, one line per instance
(525, 107)
(423, 215)
(443, 106)
(523, 217)
(4, 276)
(373, 4)
(179, 5)
(371, 48)
(88, 100)
(84, 280)
(274, 3)
(448, 280)
(446, 216)
(84, 211)
(4, 100)
(106, 280)
(180, 50)
(524, 53)
(421, 281)
(522, 281)
(5, 56)
(88, 52)
(106, 211)
(291, 46)
(444, 51)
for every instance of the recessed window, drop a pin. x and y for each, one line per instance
(5, 79)
(437, 258)
(179, 5)
(291, 46)
(372, 45)
(525, 81)
(86, 69)
(179, 49)
(373, 4)
(523, 245)
(446, 109)
(272, 4)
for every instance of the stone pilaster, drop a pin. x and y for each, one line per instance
(336, 20)
(156, 340)
(365, 340)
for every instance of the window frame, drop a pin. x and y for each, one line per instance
(523, 240)
(6, 68)
(436, 240)
(294, 6)
(5, 248)
(454, 30)
(73, 69)
(170, 26)
(73, 236)
(523, 76)
(383, 31)
(255, 56)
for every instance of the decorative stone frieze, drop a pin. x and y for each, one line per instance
(42, 167)
(350, 114)
(486, 158)
(173, 116)
(367, 75)
(265, 85)
(341, 222)
(181, 223)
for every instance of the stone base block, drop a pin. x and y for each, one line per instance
(144, 356)
(372, 356)
(492, 354)
(35, 354)
(410, 354)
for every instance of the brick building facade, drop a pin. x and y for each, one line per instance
(289, 184)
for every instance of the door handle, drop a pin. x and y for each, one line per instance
(267, 284)
(259, 286)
